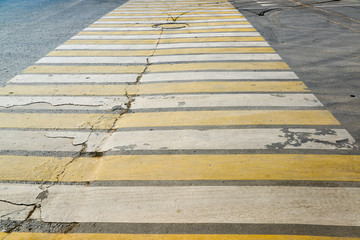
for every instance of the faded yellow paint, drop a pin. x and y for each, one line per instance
(143, 41)
(178, 67)
(114, 13)
(224, 118)
(168, 17)
(183, 167)
(84, 69)
(170, 40)
(102, 53)
(57, 120)
(166, 119)
(31, 168)
(156, 88)
(3, 235)
(190, 24)
(167, 32)
(158, 52)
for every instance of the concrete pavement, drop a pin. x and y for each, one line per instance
(172, 118)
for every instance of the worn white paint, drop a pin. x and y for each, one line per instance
(190, 204)
(226, 100)
(74, 78)
(100, 60)
(213, 57)
(179, 21)
(176, 15)
(217, 75)
(164, 33)
(169, 36)
(170, 11)
(161, 59)
(18, 140)
(62, 102)
(258, 138)
(195, 204)
(17, 194)
(160, 46)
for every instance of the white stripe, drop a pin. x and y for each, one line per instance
(170, 11)
(164, 140)
(119, 60)
(213, 75)
(268, 4)
(167, 16)
(225, 100)
(161, 59)
(62, 102)
(152, 29)
(174, 6)
(258, 138)
(74, 78)
(163, 46)
(169, 36)
(192, 204)
(179, 21)
(213, 57)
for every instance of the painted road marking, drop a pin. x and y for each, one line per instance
(197, 15)
(156, 88)
(165, 140)
(214, 204)
(164, 46)
(167, 119)
(261, 138)
(226, 100)
(161, 59)
(169, 36)
(150, 30)
(177, 67)
(74, 78)
(63, 102)
(291, 167)
(160, 41)
(217, 75)
(162, 20)
(160, 52)
(192, 24)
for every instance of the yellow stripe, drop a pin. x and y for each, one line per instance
(167, 17)
(160, 67)
(167, 32)
(165, 13)
(183, 167)
(57, 121)
(84, 69)
(224, 118)
(156, 88)
(218, 66)
(102, 53)
(190, 24)
(175, 51)
(167, 119)
(171, 40)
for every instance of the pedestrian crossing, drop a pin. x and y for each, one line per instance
(129, 123)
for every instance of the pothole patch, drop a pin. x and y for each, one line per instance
(174, 25)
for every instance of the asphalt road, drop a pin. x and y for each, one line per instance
(31, 29)
(320, 40)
